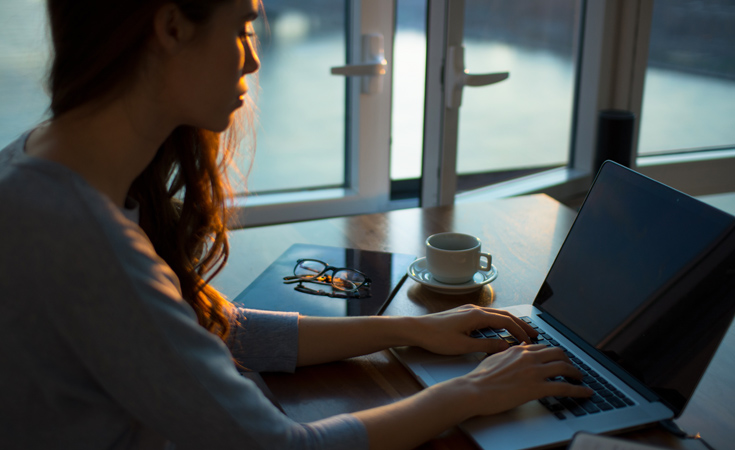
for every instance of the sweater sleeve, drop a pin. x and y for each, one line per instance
(264, 341)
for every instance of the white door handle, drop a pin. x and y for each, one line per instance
(354, 70)
(456, 77)
(373, 64)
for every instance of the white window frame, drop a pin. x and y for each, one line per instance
(440, 137)
(611, 75)
(367, 183)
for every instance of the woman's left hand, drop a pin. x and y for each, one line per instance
(448, 332)
(325, 339)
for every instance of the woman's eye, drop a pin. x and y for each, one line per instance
(246, 32)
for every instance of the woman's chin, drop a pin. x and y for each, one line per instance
(217, 126)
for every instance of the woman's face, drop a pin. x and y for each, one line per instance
(210, 78)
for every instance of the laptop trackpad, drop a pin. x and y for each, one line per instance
(446, 369)
(527, 426)
(432, 369)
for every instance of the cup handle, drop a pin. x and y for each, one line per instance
(485, 268)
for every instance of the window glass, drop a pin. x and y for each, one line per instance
(24, 56)
(301, 106)
(689, 97)
(524, 123)
(409, 76)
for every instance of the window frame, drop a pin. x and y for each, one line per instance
(367, 146)
(613, 59)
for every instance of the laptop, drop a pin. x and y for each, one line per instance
(639, 296)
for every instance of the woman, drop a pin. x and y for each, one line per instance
(112, 337)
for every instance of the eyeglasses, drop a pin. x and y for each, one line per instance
(315, 271)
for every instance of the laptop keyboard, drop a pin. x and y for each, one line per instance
(606, 398)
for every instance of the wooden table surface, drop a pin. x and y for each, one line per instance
(523, 234)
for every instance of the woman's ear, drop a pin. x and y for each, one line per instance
(171, 29)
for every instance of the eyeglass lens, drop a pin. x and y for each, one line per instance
(347, 280)
(309, 268)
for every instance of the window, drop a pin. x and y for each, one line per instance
(337, 160)
(301, 106)
(689, 97)
(323, 143)
(23, 58)
(524, 123)
(519, 126)
(630, 59)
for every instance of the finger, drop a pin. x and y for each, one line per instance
(560, 368)
(517, 327)
(499, 320)
(517, 351)
(491, 346)
(531, 348)
(530, 331)
(518, 332)
(549, 354)
(522, 323)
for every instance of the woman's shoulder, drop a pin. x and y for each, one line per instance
(35, 191)
(57, 229)
(51, 213)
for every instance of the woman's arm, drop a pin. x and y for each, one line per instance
(329, 339)
(501, 382)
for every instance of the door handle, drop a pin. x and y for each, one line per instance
(456, 77)
(373, 65)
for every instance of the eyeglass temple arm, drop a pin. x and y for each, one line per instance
(295, 279)
(306, 290)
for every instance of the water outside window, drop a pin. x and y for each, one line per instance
(23, 59)
(525, 121)
(301, 106)
(689, 97)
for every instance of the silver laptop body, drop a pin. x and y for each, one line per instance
(641, 293)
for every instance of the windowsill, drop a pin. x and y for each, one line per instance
(725, 201)
(695, 173)
(693, 156)
(569, 186)
(702, 172)
(562, 183)
(281, 198)
(274, 208)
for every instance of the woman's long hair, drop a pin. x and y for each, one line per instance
(183, 193)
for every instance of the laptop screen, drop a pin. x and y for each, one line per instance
(647, 276)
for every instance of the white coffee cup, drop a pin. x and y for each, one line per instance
(454, 258)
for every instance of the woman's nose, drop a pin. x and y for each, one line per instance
(252, 62)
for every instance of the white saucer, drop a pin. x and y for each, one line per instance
(420, 273)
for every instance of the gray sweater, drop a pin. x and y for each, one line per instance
(99, 351)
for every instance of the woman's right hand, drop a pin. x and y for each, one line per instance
(502, 381)
(520, 374)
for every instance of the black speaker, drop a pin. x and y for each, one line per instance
(614, 137)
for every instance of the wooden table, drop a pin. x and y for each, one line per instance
(523, 234)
